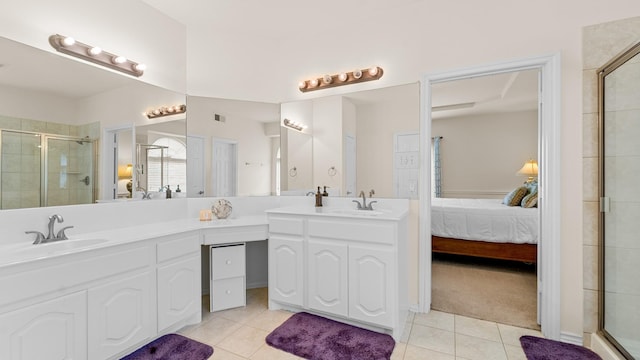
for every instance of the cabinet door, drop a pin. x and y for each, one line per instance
(53, 330)
(371, 287)
(285, 270)
(120, 315)
(178, 291)
(327, 277)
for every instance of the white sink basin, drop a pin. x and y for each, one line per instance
(58, 246)
(355, 212)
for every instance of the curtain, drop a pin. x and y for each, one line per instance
(436, 171)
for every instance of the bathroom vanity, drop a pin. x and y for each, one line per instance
(346, 264)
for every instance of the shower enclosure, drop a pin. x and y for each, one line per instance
(40, 169)
(619, 98)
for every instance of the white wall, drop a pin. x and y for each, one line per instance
(481, 154)
(327, 141)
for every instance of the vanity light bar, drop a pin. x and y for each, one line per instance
(294, 125)
(68, 45)
(166, 111)
(345, 78)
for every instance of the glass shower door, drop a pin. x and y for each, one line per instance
(69, 174)
(620, 202)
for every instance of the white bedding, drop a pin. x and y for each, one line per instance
(483, 219)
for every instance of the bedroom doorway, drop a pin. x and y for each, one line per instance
(548, 139)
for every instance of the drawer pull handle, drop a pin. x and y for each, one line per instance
(228, 292)
(228, 262)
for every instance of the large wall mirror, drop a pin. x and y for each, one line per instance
(363, 141)
(55, 112)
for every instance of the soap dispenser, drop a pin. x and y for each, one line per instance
(325, 193)
(168, 192)
(318, 198)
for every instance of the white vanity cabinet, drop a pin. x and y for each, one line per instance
(102, 303)
(351, 268)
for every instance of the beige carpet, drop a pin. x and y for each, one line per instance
(500, 291)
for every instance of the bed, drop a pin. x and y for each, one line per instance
(484, 228)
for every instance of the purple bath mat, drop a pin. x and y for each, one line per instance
(172, 347)
(543, 349)
(316, 338)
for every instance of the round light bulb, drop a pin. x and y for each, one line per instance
(373, 71)
(140, 67)
(357, 74)
(68, 41)
(119, 60)
(302, 84)
(343, 77)
(313, 82)
(94, 51)
(156, 112)
(327, 79)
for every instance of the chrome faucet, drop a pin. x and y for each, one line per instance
(363, 205)
(51, 236)
(145, 194)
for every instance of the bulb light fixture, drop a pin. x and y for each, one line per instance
(344, 78)
(68, 45)
(294, 125)
(166, 111)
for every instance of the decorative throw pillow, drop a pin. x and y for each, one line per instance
(515, 196)
(532, 186)
(530, 200)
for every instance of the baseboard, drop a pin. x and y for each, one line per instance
(259, 284)
(571, 338)
(414, 308)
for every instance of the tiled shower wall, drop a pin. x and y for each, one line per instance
(21, 164)
(601, 43)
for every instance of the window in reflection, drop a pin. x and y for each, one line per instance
(167, 164)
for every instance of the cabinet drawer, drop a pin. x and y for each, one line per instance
(228, 293)
(171, 249)
(281, 225)
(227, 261)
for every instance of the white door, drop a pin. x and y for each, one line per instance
(350, 165)
(195, 166)
(120, 315)
(225, 171)
(55, 329)
(371, 285)
(327, 277)
(285, 270)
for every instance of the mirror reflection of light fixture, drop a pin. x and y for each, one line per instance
(529, 169)
(68, 45)
(294, 125)
(166, 111)
(345, 78)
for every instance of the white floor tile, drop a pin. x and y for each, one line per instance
(511, 335)
(474, 348)
(433, 339)
(245, 341)
(436, 319)
(487, 330)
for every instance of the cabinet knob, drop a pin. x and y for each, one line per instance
(228, 292)
(228, 262)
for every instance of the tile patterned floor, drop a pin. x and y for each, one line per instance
(239, 334)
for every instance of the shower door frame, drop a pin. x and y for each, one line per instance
(605, 70)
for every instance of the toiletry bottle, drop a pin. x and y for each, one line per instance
(318, 198)
(168, 192)
(178, 189)
(325, 193)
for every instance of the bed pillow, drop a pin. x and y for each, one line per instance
(530, 200)
(514, 198)
(532, 186)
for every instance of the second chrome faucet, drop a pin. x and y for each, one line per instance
(363, 205)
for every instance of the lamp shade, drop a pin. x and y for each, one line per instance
(125, 171)
(530, 169)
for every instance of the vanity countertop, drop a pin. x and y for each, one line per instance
(13, 254)
(343, 212)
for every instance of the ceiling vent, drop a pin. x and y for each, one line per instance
(219, 118)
